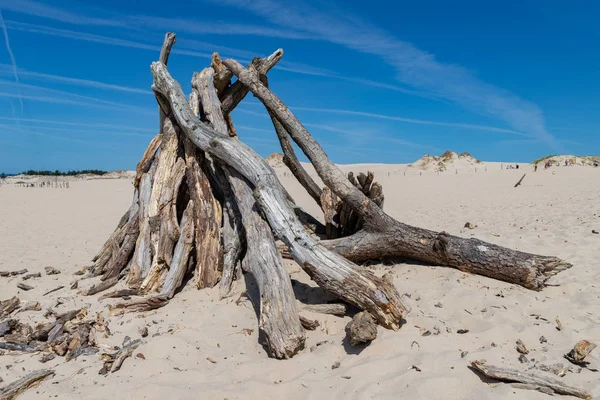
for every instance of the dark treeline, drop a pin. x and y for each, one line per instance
(68, 173)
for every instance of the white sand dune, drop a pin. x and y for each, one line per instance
(553, 212)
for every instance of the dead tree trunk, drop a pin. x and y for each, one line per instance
(279, 317)
(383, 236)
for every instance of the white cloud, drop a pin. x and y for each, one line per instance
(75, 81)
(88, 100)
(36, 9)
(90, 125)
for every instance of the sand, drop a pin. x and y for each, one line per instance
(553, 212)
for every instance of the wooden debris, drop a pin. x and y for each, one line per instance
(30, 276)
(338, 309)
(520, 180)
(81, 351)
(120, 293)
(7, 326)
(143, 331)
(521, 347)
(13, 273)
(361, 329)
(47, 357)
(51, 271)
(114, 361)
(53, 290)
(24, 287)
(523, 359)
(42, 331)
(559, 325)
(31, 306)
(8, 306)
(539, 382)
(557, 369)
(309, 324)
(25, 348)
(100, 287)
(29, 381)
(212, 360)
(580, 352)
(146, 303)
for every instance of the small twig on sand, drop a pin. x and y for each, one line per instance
(53, 290)
(520, 180)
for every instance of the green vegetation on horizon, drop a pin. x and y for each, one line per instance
(586, 158)
(69, 173)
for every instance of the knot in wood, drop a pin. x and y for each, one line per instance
(441, 242)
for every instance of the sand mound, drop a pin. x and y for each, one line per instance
(122, 174)
(275, 160)
(559, 160)
(447, 161)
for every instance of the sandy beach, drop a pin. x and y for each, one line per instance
(553, 212)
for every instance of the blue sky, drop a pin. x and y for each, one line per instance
(373, 81)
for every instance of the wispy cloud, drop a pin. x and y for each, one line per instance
(74, 81)
(413, 66)
(12, 61)
(89, 37)
(76, 35)
(42, 10)
(70, 98)
(410, 120)
(20, 131)
(388, 118)
(371, 135)
(190, 47)
(91, 125)
(109, 132)
(213, 28)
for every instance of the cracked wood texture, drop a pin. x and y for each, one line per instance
(383, 236)
(334, 273)
(278, 319)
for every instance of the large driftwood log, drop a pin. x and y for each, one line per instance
(279, 319)
(537, 382)
(383, 236)
(328, 269)
(209, 215)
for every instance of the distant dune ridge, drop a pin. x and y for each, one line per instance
(275, 160)
(571, 159)
(449, 159)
